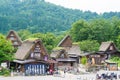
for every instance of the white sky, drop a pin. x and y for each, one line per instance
(98, 6)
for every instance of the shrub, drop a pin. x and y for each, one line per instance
(5, 72)
(84, 60)
(115, 59)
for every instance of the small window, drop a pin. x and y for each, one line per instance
(15, 43)
(37, 46)
(11, 34)
(12, 38)
(32, 55)
(62, 56)
(45, 58)
(111, 47)
(37, 55)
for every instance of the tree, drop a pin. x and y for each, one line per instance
(89, 45)
(79, 30)
(115, 22)
(118, 42)
(97, 29)
(24, 34)
(48, 39)
(100, 30)
(6, 49)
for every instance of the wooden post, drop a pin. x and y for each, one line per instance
(93, 61)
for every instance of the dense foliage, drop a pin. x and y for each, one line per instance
(49, 39)
(89, 45)
(4, 72)
(6, 49)
(115, 59)
(100, 30)
(37, 19)
(88, 33)
(41, 16)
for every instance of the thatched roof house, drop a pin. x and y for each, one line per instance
(63, 59)
(14, 38)
(71, 49)
(32, 58)
(31, 49)
(107, 47)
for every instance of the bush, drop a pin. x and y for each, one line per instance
(115, 59)
(84, 60)
(5, 72)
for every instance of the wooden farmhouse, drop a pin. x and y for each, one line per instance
(108, 49)
(72, 49)
(91, 58)
(14, 38)
(63, 59)
(32, 58)
(68, 54)
(98, 59)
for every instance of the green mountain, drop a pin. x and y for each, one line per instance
(40, 16)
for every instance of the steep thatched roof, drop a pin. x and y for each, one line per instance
(15, 33)
(54, 53)
(57, 53)
(74, 50)
(106, 45)
(65, 40)
(24, 50)
(71, 49)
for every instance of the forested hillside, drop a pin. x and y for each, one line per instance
(41, 16)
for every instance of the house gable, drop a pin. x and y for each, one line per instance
(31, 50)
(107, 46)
(14, 38)
(112, 47)
(72, 49)
(38, 51)
(108, 49)
(65, 42)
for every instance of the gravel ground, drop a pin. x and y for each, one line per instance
(89, 76)
(67, 77)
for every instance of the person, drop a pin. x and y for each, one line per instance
(77, 70)
(64, 72)
(51, 72)
(98, 77)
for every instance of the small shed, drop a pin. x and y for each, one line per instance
(111, 66)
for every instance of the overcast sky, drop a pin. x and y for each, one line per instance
(98, 6)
